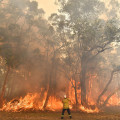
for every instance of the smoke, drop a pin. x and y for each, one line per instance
(21, 4)
(33, 52)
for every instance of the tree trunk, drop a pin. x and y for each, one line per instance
(49, 91)
(75, 89)
(83, 89)
(83, 81)
(76, 99)
(106, 87)
(4, 87)
(50, 87)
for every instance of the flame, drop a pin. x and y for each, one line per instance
(36, 101)
(54, 104)
(33, 102)
(28, 102)
(71, 92)
(114, 100)
(72, 98)
(89, 110)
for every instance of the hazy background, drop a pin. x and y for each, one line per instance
(48, 6)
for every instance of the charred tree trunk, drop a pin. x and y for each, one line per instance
(48, 94)
(83, 81)
(47, 81)
(49, 90)
(83, 89)
(4, 87)
(106, 87)
(76, 98)
(75, 88)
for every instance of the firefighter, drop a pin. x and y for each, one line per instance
(66, 102)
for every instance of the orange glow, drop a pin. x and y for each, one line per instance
(54, 104)
(92, 79)
(89, 110)
(32, 102)
(36, 101)
(114, 100)
(28, 102)
(72, 98)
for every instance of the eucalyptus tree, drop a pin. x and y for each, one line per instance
(17, 19)
(87, 34)
(28, 40)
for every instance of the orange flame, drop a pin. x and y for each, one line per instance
(31, 101)
(89, 110)
(34, 101)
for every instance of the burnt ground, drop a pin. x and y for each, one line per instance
(57, 115)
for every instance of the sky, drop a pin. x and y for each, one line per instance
(48, 6)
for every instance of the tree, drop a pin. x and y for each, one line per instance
(87, 34)
(13, 44)
(31, 43)
(117, 69)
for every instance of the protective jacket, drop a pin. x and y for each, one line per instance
(65, 102)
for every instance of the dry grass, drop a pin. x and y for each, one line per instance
(57, 115)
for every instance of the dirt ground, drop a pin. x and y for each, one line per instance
(57, 115)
